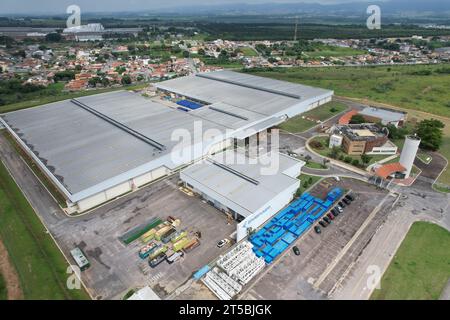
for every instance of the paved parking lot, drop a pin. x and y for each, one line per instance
(294, 277)
(115, 268)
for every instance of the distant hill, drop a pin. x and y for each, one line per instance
(393, 7)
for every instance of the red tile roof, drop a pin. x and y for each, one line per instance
(386, 170)
(345, 119)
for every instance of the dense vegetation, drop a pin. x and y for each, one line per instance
(283, 31)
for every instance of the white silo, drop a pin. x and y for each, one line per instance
(409, 153)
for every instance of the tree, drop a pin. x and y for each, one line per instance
(396, 133)
(308, 159)
(357, 119)
(126, 79)
(186, 54)
(365, 159)
(93, 81)
(430, 132)
(53, 37)
(334, 153)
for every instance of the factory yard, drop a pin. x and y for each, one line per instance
(325, 258)
(116, 268)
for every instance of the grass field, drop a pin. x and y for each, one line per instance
(306, 181)
(304, 121)
(39, 263)
(3, 290)
(421, 266)
(403, 86)
(248, 52)
(420, 90)
(314, 165)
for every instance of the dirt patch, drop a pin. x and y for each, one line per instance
(10, 275)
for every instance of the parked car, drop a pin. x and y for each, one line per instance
(346, 201)
(222, 243)
(326, 220)
(341, 204)
(330, 215)
(317, 229)
(323, 224)
(335, 212)
(296, 250)
(338, 208)
(350, 197)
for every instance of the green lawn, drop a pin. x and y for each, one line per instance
(421, 266)
(248, 52)
(314, 165)
(306, 181)
(39, 263)
(3, 290)
(324, 112)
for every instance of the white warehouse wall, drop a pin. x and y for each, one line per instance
(258, 218)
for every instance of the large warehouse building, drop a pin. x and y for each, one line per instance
(236, 186)
(99, 147)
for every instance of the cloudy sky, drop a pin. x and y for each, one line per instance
(59, 6)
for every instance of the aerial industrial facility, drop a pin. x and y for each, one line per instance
(99, 147)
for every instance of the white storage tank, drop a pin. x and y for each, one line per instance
(409, 153)
(335, 141)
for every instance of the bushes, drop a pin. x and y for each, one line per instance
(316, 144)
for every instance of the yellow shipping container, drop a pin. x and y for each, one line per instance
(161, 232)
(149, 235)
(177, 246)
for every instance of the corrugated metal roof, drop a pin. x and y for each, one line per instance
(86, 154)
(386, 170)
(258, 101)
(246, 194)
(384, 114)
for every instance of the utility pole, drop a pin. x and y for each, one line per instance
(296, 28)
